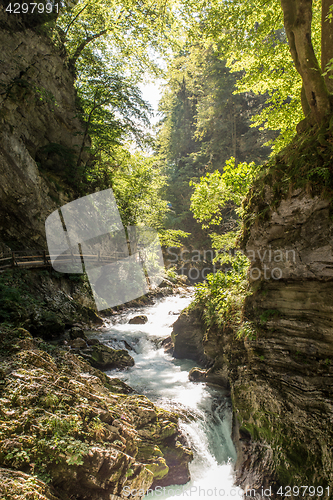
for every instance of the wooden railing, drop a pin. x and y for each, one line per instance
(43, 259)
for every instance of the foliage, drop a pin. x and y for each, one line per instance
(216, 190)
(251, 36)
(109, 46)
(213, 194)
(246, 331)
(114, 113)
(203, 125)
(137, 185)
(172, 274)
(224, 244)
(124, 29)
(221, 296)
(172, 237)
(15, 298)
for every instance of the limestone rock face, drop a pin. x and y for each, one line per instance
(282, 386)
(295, 243)
(187, 337)
(38, 111)
(281, 381)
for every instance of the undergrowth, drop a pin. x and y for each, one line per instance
(221, 297)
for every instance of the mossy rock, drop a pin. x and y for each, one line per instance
(177, 458)
(46, 324)
(158, 468)
(105, 358)
(12, 339)
(16, 485)
(138, 320)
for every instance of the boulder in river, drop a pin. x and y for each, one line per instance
(78, 343)
(167, 344)
(105, 358)
(76, 332)
(138, 320)
(197, 375)
(93, 342)
(209, 377)
(187, 336)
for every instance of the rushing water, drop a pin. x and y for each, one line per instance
(164, 381)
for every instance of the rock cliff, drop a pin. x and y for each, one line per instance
(281, 376)
(283, 394)
(40, 136)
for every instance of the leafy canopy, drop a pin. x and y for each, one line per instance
(251, 36)
(128, 30)
(216, 190)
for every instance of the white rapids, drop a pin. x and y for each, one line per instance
(164, 380)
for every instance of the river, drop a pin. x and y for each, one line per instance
(164, 380)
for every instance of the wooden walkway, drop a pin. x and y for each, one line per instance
(43, 259)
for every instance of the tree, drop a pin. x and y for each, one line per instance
(128, 29)
(256, 37)
(112, 109)
(297, 14)
(137, 185)
(204, 124)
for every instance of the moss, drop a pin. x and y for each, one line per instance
(158, 468)
(294, 459)
(268, 314)
(35, 300)
(147, 451)
(19, 486)
(306, 163)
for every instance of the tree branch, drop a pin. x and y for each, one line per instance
(83, 44)
(326, 42)
(75, 17)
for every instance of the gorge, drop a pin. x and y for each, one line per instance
(240, 397)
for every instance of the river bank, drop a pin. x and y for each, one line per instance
(79, 431)
(66, 427)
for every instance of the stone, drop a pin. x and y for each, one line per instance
(77, 332)
(106, 439)
(93, 341)
(138, 320)
(211, 378)
(16, 484)
(187, 336)
(197, 375)
(28, 126)
(167, 345)
(78, 343)
(166, 283)
(106, 358)
(281, 380)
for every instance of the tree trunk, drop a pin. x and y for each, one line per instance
(297, 23)
(326, 42)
